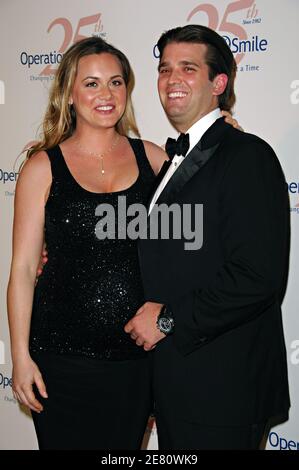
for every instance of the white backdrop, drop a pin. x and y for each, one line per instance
(264, 36)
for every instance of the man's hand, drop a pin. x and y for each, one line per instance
(43, 260)
(230, 120)
(143, 326)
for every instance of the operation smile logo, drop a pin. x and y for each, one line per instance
(294, 189)
(6, 386)
(92, 26)
(279, 443)
(240, 40)
(7, 177)
(5, 381)
(41, 59)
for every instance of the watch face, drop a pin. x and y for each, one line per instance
(165, 324)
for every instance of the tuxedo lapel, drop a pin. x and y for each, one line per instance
(187, 169)
(158, 179)
(197, 158)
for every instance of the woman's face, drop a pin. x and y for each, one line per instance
(99, 93)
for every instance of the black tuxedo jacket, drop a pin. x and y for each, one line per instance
(226, 362)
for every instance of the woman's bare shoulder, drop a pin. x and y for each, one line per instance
(36, 170)
(155, 154)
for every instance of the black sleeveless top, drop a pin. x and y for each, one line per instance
(90, 287)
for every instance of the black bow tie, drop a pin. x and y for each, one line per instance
(177, 147)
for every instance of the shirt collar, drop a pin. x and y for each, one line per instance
(198, 129)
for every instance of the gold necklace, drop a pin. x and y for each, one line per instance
(99, 155)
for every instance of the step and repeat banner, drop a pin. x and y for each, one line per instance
(264, 37)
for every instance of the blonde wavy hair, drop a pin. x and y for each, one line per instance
(59, 121)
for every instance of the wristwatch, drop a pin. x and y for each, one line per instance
(165, 321)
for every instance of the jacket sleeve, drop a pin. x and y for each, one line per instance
(253, 229)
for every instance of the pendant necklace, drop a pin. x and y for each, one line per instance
(99, 155)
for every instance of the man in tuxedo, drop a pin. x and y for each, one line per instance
(213, 316)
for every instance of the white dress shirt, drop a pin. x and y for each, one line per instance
(195, 134)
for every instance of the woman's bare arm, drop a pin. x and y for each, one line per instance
(28, 231)
(156, 155)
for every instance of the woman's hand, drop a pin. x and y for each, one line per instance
(25, 374)
(230, 120)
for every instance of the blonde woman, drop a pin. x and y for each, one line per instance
(85, 380)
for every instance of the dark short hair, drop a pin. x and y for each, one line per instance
(219, 57)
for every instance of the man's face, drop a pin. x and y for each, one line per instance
(186, 93)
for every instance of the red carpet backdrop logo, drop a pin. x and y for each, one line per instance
(237, 36)
(237, 25)
(294, 197)
(85, 27)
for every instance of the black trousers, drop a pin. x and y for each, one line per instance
(176, 434)
(93, 404)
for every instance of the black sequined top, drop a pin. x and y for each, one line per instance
(89, 288)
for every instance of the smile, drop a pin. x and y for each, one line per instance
(104, 108)
(177, 94)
